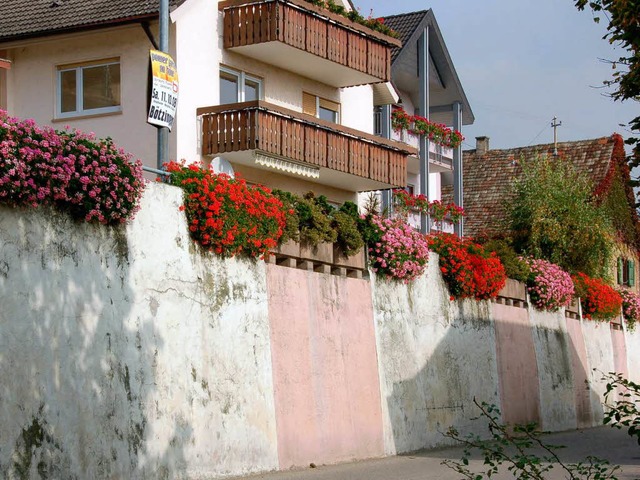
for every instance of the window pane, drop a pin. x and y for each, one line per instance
(329, 115)
(228, 88)
(100, 86)
(251, 90)
(68, 93)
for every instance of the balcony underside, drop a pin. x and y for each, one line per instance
(297, 36)
(269, 137)
(437, 164)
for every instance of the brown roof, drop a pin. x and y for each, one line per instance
(488, 178)
(30, 18)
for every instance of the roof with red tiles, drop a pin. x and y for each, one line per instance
(488, 178)
(30, 18)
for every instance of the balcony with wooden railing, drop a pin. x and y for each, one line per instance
(300, 37)
(266, 136)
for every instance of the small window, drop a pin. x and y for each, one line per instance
(89, 88)
(626, 272)
(236, 86)
(321, 108)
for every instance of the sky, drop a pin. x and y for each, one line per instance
(522, 62)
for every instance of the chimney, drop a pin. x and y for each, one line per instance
(482, 145)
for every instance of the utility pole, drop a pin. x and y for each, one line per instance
(555, 124)
(163, 132)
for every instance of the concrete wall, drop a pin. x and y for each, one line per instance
(434, 357)
(128, 353)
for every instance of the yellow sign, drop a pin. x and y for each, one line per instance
(164, 90)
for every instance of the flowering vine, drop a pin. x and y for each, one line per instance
(89, 178)
(549, 287)
(417, 125)
(226, 215)
(396, 249)
(599, 300)
(467, 268)
(630, 307)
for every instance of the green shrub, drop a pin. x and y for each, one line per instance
(553, 216)
(514, 266)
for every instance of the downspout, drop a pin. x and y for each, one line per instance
(423, 79)
(458, 185)
(163, 132)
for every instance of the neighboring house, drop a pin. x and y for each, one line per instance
(489, 176)
(281, 89)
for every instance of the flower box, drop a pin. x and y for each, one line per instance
(354, 261)
(323, 252)
(291, 248)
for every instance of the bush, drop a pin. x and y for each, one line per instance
(467, 268)
(514, 266)
(599, 301)
(396, 250)
(550, 287)
(226, 215)
(89, 178)
(554, 217)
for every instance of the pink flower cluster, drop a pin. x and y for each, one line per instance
(90, 178)
(399, 251)
(630, 307)
(550, 287)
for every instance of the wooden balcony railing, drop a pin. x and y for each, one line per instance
(311, 29)
(302, 138)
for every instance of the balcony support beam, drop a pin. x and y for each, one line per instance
(423, 79)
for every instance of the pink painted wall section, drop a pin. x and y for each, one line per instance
(580, 364)
(619, 352)
(517, 366)
(327, 393)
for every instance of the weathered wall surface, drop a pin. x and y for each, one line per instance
(434, 356)
(555, 370)
(126, 354)
(324, 367)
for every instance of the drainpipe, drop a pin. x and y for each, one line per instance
(423, 79)
(458, 184)
(385, 131)
(163, 133)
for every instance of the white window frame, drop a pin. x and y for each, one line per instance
(242, 78)
(78, 68)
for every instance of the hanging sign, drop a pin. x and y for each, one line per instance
(164, 90)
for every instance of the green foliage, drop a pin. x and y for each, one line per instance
(553, 216)
(623, 30)
(516, 448)
(618, 210)
(315, 226)
(621, 404)
(514, 267)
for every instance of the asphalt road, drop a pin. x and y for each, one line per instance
(603, 442)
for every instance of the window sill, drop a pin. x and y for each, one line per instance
(72, 118)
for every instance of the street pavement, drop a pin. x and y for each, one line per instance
(602, 442)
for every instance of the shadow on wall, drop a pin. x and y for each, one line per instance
(77, 369)
(532, 365)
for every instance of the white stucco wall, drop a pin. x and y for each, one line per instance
(555, 371)
(135, 355)
(633, 354)
(597, 339)
(32, 85)
(434, 357)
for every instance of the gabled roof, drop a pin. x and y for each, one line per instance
(404, 25)
(445, 86)
(31, 18)
(488, 178)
